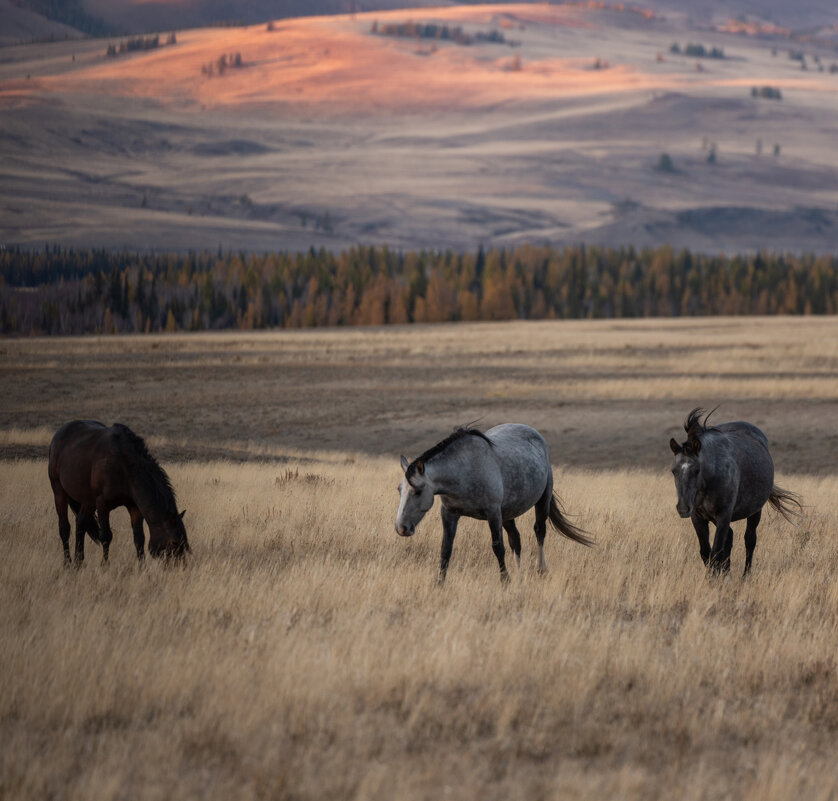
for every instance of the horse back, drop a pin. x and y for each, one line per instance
(744, 432)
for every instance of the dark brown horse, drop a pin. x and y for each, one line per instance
(93, 468)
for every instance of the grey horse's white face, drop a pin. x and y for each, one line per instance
(686, 470)
(416, 497)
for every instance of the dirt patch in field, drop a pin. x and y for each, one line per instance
(605, 394)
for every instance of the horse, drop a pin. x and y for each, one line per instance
(494, 476)
(722, 474)
(96, 468)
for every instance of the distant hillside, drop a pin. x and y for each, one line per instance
(806, 14)
(19, 22)
(132, 16)
(27, 20)
(70, 14)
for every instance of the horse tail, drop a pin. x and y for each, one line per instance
(788, 504)
(564, 526)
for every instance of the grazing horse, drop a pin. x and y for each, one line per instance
(496, 476)
(725, 473)
(93, 468)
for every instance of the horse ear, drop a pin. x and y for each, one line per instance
(420, 467)
(405, 464)
(676, 448)
(182, 514)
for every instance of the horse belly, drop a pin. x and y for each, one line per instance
(751, 499)
(513, 510)
(524, 463)
(522, 489)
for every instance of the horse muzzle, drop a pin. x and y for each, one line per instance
(404, 531)
(684, 512)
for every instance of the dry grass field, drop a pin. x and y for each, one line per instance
(305, 651)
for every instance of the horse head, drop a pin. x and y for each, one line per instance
(416, 496)
(168, 538)
(686, 468)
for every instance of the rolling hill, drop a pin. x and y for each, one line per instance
(564, 124)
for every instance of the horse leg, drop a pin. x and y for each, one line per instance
(105, 533)
(496, 527)
(542, 512)
(95, 534)
(702, 529)
(83, 516)
(514, 538)
(139, 534)
(449, 531)
(727, 550)
(720, 555)
(61, 504)
(751, 539)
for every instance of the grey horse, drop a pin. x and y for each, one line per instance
(725, 473)
(496, 476)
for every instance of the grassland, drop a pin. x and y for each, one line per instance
(607, 394)
(305, 651)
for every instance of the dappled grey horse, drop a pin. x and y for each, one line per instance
(725, 473)
(496, 476)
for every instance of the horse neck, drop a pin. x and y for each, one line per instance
(151, 494)
(713, 458)
(446, 472)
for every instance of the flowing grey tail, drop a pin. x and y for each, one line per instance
(786, 503)
(564, 526)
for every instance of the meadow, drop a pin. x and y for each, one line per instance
(306, 652)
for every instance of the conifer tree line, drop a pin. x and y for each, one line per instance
(60, 291)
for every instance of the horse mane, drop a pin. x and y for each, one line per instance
(146, 469)
(456, 436)
(694, 426)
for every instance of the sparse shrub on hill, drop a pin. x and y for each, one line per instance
(665, 163)
(445, 33)
(60, 291)
(222, 64)
(136, 43)
(767, 92)
(696, 50)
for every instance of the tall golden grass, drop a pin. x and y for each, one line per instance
(306, 653)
